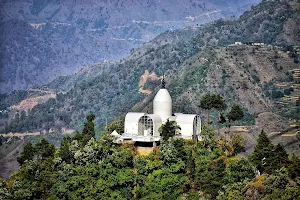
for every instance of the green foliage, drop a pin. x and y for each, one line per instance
(235, 113)
(276, 94)
(166, 183)
(238, 143)
(281, 158)
(234, 191)
(171, 150)
(280, 187)
(64, 150)
(209, 101)
(178, 169)
(89, 126)
(208, 136)
(275, 186)
(211, 182)
(169, 129)
(44, 149)
(266, 157)
(238, 171)
(27, 154)
(206, 102)
(293, 168)
(4, 192)
(222, 118)
(117, 125)
(263, 154)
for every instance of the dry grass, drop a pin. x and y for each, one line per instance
(289, 135)
(239, 129)
(144, 151)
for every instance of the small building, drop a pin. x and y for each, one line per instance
(144, 127)
(258, 44)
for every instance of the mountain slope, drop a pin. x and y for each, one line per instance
(43, 39)
(194, 65)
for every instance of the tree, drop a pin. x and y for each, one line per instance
(238, 143)
(64, 150)
(164, 183)
(210, 101)
(172, 150)
(236, 113)
(212, 180)
(169, 129)
(281, 158)
(208, 136)
(219, 104)
(4, 192)
(27, 154)
(89, 126)
(23, 116)
(44, 149)
(238, 171)
(263, 154)
(206, 103)
(117, 125)
(293, 168)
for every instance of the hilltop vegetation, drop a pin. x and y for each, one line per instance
(83, 168)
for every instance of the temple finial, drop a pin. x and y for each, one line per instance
(163, 83)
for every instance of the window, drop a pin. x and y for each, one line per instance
(145, 127)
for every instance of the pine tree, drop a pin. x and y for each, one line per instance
(210, 101)
(281, 158)
(44, 149)
(263, 154)
(206, 103)
(293, 168)
(27, 154)
(236, 113)
(169, 129)
(89, 126)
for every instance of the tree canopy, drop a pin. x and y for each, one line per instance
(178, 169)
(169, 129)
(235, 113)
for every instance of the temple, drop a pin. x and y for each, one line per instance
(144, 127)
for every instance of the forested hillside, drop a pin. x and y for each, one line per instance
(196, 60)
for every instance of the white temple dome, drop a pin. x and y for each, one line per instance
(162, 104)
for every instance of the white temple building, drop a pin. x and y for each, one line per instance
(143, 127)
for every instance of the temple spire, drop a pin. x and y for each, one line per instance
(163, 83)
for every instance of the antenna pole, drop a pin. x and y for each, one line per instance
(163, 83)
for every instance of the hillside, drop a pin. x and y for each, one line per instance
(41, 40)
(196, 60)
